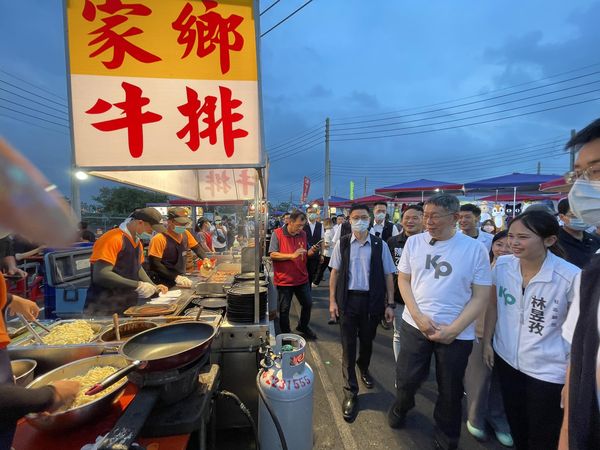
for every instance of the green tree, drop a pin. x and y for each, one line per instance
(123, 200)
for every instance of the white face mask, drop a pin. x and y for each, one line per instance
(379, 217)
(584, 200)
(359, 225)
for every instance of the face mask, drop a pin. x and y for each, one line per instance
(488, 228)
(312, 217)
(577, 224)
(179, 229)
(144, 236)
(584, 200)
(379, 217)
(360, 225)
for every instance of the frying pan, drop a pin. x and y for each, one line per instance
(164, 348)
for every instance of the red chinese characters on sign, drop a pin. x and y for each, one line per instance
(111, 39)
(245, 182)
(216, 181)
(133, 118)
(208, 31)
(195, 110)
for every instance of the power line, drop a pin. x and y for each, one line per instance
(475, 116)
(284, 149)
(35, 117)
(32, 85)
(470, 124)
(32, 123)
(472, 96)
(33, 93)
(496, 154)
(33, 109)
(285, 18)
(33, 101)
(442, 169)
(297, 151)
(296, 137)
(267, 10)
(470, 110)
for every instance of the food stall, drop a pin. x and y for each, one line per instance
(156, 115)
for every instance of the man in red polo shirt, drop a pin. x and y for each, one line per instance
(289, 251)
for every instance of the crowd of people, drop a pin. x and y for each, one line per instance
(510, 315)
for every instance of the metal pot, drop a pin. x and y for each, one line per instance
(23, 370)
(127, 330)
(248, 276)
(83, 414)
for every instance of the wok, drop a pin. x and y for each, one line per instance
(164, 348)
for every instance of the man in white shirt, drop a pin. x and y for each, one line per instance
(469, 218)
(382, 227)
(444, 279)
(581, 395)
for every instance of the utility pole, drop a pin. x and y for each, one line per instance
(572, 153)
(539, 168)
(327, 183)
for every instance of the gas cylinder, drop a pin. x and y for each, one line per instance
(287, 383)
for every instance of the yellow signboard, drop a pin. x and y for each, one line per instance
(206, 40)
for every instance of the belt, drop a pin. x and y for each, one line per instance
(358, 293)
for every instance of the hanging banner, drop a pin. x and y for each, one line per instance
(157, 83)
(305, 189)
(351, 190)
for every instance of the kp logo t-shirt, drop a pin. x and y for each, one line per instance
(442, 275)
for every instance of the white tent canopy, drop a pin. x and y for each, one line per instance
(201, 185)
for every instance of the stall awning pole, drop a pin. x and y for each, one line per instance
(257, 251)
(514, 201)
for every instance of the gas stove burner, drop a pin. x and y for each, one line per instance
(174, 384)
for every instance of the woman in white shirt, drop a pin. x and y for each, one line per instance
(533, 289)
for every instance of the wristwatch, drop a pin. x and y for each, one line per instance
(391, 305)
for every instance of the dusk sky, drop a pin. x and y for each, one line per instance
(406, 85)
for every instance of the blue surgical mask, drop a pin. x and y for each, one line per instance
(144, 236)
(312, 217)
(179, 229)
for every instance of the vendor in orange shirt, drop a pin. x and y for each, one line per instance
(118, 278)
(168, 250)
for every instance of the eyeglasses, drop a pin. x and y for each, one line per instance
(589, 173)
(435, 217)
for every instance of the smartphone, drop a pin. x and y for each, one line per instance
(318, 243)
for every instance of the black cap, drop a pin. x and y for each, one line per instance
(151, 216)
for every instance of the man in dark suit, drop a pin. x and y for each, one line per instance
(314, 234)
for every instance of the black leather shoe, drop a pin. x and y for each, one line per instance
(307, 333)
(395, 419)
(367, 379)
(350, 408)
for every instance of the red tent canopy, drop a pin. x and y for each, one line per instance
(520, 197)
(370, 199)
(336, 202)
(421, 185)
(556, 185)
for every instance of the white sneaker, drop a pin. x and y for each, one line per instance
(504, 438)
(477, 433)
(314, 285)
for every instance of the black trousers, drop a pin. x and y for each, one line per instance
(284, 301)
(321, 271)
(312, 266)
(532, 408)
(356, 323)
(412, 368)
